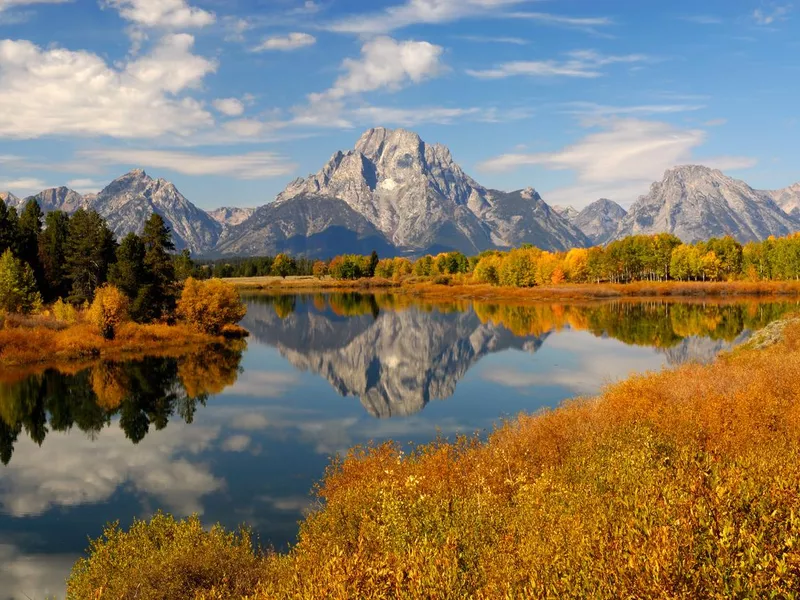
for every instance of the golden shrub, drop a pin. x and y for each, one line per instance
(108, 310)
(64, 311)
(210, 305)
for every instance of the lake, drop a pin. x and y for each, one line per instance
(241, 433)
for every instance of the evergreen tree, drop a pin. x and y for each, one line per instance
(28, 230)
(9, 232)
(160, 269)
(373, 263)
(18, 293)
(90, 252)
(128, 273)
(185, 268)
(52, 253)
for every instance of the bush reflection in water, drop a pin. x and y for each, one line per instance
(142, 393)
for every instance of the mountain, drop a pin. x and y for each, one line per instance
(788, 199)
(600, 220)
(309, 225)
(697, 203)
(127, 202)
(230, 215)
(60, 198)
(394, 362)
(10, 199)
(568, 212)
(414, 196)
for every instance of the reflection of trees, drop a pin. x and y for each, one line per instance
(142, 393)
(396, 360)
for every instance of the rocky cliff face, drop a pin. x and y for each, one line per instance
(568, 212)
(10, 199)
(230, 216)
(127, 202)
(697, 203)
(788, 199)
(419, 200)
(396, 362)
(61, 198)
(600, 220)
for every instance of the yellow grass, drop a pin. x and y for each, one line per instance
(679, 484)
(41, 344)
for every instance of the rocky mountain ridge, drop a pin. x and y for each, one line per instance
(696, 202)
(398, 195)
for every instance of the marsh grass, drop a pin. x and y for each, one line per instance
(679, 484)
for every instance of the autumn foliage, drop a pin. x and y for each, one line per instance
(681, 484)
(108, 310)
(210, 305)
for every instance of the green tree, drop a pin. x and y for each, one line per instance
(283, 265)
(158, 244)
(373, 263)
(18, 293)
(128, 273)
(28, 230)
(185, 267)
(52, 253)
(9, 223)
(90, 252)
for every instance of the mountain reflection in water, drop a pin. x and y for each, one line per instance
(396, 354)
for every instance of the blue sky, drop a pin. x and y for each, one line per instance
(231, 99)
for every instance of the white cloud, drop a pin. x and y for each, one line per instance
(619, 162)
(231, 107)
(235, 28)
(23, 186)
(715, 122)
(236, 443)
(551, 19)
(6, 4)
(292, 41)
(420, 12)
(772, 13)
(590, 110)
(487, 39)
(166, 14)
(78, 93)
(40, 575)
(254, 165)
(386, 63)
(86, 186)
(71, 470)
(580, 63)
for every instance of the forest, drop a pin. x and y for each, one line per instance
(69, 290)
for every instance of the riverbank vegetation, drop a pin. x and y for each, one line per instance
(638, 259)
(68, 290)
(680, 484)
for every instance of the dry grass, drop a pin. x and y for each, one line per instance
(461, 287)
(44, 341)
(588, 291)
(680, 484)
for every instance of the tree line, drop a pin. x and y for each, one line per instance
(44, 258)
(660, 257)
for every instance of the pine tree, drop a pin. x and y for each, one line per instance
(128, 273)
(160, 269)
(18, 293)
(90, 252)
(9, 224)
(28, 230)
(52, 253)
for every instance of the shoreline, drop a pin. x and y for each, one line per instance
(429, 290)
(683, 468)
(29, 350)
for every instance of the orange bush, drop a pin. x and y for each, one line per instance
(108, 310)
(210, 305)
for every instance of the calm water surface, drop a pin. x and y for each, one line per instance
(240, 434)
